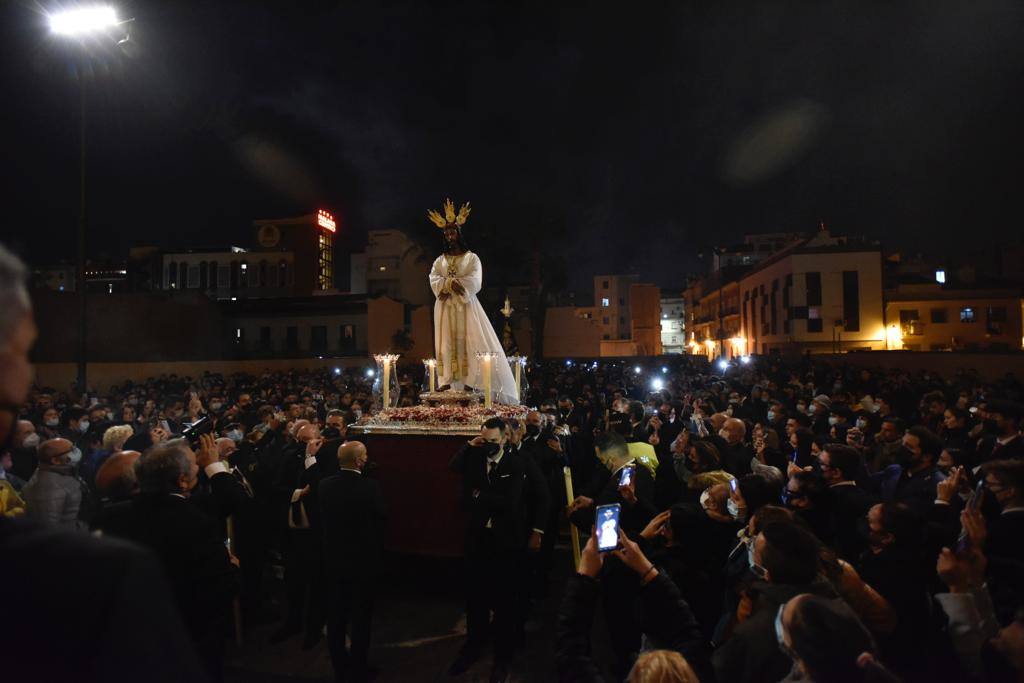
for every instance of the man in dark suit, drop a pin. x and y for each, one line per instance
(496, 486)
(547, 452)
(1007, 442)
(186, 539)
(848, 503)
(619, 586)
(353, 516)
(736, 454)
(1004, 481)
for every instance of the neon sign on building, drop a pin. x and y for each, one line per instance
(325, 220)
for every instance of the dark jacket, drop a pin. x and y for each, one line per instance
(503, 498)
(849, 505)
(752, 654)
(123, 627)
(917, 491)
(605, 491)
(353, 515)
(189, 545)
(665, 619)
(736, 459)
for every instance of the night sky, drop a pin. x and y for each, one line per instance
(633, 136)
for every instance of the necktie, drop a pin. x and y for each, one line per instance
(491, 466)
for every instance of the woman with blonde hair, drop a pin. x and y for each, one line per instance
(661, 666)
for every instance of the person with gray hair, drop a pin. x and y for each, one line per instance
(17, 334)
(188, 540)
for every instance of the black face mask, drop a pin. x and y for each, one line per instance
(532, 429)
(904, 457)
(491, 449)
(331, 433)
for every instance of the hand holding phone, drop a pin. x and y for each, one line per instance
(626, 476)
(606, 520)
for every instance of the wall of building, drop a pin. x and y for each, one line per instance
(567, 335)
(673, 325)
(645, 320)
(989, 366)
(387, 316)
(103, 375)
(956, 332)
(871, 332)
(613, 290)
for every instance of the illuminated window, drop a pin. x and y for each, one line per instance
(940, 277)
(605, 302)
(325, 261)
(967, 315)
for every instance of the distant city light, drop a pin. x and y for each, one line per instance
(940, 277)
(326, 221)
(76, 22)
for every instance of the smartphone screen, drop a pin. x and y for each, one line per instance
(732, 484)
(626, 477)
(975, 498)
(607, 522)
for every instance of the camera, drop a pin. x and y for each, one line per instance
(193, 431)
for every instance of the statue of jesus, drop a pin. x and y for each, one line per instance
(461, 327)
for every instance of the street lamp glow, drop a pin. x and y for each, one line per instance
(82, 20)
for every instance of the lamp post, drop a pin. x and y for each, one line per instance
(80, 23)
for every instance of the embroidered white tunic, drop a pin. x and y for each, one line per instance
(461, 329)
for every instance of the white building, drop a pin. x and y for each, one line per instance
(673, 324)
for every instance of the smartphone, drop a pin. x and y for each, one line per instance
(607, 522)
(975, 498)
(732, 484)
(626, 478)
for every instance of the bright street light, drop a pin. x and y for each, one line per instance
(83, 20)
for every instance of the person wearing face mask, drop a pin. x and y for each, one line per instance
(736, 454)
(786, 562)
(499, 532)
(888, 442)
(187, 541)
(54, 493)
(74, 424)
(49, 424)
(24, 445)
(897, 566)
(827, 643)
(1005, 440)
(547, 450)
(1004, 482)
(914, 477)
(819, 410)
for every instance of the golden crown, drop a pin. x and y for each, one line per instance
(450, 219)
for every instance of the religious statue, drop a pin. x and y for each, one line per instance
(461, 328)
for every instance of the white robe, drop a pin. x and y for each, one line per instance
(460, 318)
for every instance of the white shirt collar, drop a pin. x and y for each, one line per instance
(349, 469)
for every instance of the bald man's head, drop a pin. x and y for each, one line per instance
(54, 451)
(733, 430)
(352, 455)
(307, 433)
(225, 447)
(116, 477)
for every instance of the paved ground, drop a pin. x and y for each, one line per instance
(418, 629)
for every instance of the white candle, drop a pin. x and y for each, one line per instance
(431, 366)
(486, 359)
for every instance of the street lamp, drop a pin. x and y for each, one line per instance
(82, 22)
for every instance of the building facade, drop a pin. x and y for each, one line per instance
(931, 317)
(673, 323)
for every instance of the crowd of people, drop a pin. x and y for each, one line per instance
(782, 520)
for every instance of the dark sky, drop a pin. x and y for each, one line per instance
(647, 131)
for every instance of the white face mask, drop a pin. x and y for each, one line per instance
(833, 420)
(771, 416)
(30, 441)
(723, 433)
(811, 409)
(52, 423)
(74, 456)
(83, 426)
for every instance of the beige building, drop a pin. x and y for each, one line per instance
(392, 265)
(673, 324)
(929, 317)
(822, 294)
